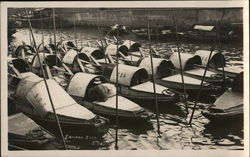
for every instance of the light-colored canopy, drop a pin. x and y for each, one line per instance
(111, 49)
(33, 89)
(79, 83)
(202, 27)
(186, 60)
(127, 74)
(157, 64)
(216, 58)
(51, 58)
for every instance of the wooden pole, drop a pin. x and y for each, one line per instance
(153, 79)
(116, 107)
(200, 88)
(42, 32)
(54, 24)
(179, 54)
(45, 81)
(75, 28)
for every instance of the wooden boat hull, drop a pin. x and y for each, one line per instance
(136, 113)
(223, 116)
(210, 77)
(227, 106)
(96, 127)
(145, 98)
(202, 38)
(25, 133)
(192, 89)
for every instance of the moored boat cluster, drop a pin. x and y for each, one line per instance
(89, 87)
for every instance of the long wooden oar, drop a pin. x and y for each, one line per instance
(153, 79)
(46, 84)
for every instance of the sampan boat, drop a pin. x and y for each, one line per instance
(93, 92)
(229, 105)
(32, 99)
(25, 133)
(135, 85)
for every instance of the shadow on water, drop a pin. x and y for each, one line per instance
(222, 129)
(136, 127)
(177, 109)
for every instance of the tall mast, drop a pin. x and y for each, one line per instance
(116, 106)
(208, 62)
(153, 79)
(45, 81)
(179, 54)
(54, 24)
(42, 32)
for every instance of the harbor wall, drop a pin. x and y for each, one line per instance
(157, 17)
(137, 17)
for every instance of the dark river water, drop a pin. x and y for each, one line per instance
(176, 133)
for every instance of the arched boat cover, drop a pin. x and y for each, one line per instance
(91, 51)
(187, 60)
(19, 64)
(129, 75)
(111, 49)
(216, 58)
(34, 91)
(131, 45)
(26, 48)
(49, 59)
(79, 83)
(71, 55)
(161, 66)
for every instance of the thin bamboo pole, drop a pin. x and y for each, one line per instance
(116, 106)
(75, 29)
(153, 79)
(179, 54)
(42, 33)
(200, 88)
(45, 81)
(54, 24)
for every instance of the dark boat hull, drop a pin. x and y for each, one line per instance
(147, 99)
(97, 129)
(222, 117)
(111, 112)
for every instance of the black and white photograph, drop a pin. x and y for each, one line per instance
(109, 77)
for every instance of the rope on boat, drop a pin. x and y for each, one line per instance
(116, 106)
(54, 24)
(153, 79)
(45, 81)
(181, 68)
(209, 60)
